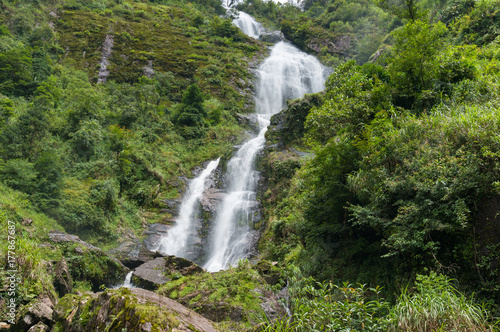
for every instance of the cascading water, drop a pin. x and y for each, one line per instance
(127, 283)
(286, 74)
(247, 25)
(177, 241)
(230, 3)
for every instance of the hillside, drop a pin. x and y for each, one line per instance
(378, 197)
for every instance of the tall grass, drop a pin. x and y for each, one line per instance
(437, 306)
(432, 305)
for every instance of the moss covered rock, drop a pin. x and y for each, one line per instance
(237, 298)
(88, 263)
(126, 309)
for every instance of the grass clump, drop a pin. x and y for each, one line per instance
(436, 305)
(433, 304)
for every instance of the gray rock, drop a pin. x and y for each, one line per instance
(249, 121)
(63, 283)
(148, 70)
(150, 275)
(272, 37)
(341, 45)
(38, 311)
(155, 232)
(57, 236)
(172, 206)
(155, 273)
(107, 49)
(39, 327)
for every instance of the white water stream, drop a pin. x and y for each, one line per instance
(176, 242)
(286, 74)
(127, 283)
(248, 25)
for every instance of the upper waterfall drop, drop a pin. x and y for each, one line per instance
(286, 74)
(248, 25)
(177, 241)
(231, 3)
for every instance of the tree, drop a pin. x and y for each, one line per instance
(413, 64)
(404, 9)
(16, 71)
(190, 115)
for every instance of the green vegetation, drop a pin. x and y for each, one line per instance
(402, 180)
(97, 159)
(435, 305)
(232, 297)
(382, 192)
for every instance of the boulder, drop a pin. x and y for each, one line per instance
(37, 311)
(155, 273)
(272, 37)
(248, 120)
(133, 254)
(63, 283)
(39, 327)
(127, 310)
(150, 275)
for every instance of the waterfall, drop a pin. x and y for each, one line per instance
(127, 283)
(128, 280)
(247, 25)
(286, 74)
(231, 3)
(177, 241)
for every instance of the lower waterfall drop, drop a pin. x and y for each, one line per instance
(177, 241)
(286, 74)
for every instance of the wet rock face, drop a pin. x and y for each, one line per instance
(154, 233)
(248, 120)
(272, 37)
(127, 309)
(211, 199)
(155, 273)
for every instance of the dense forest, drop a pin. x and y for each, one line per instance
(380, 196)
